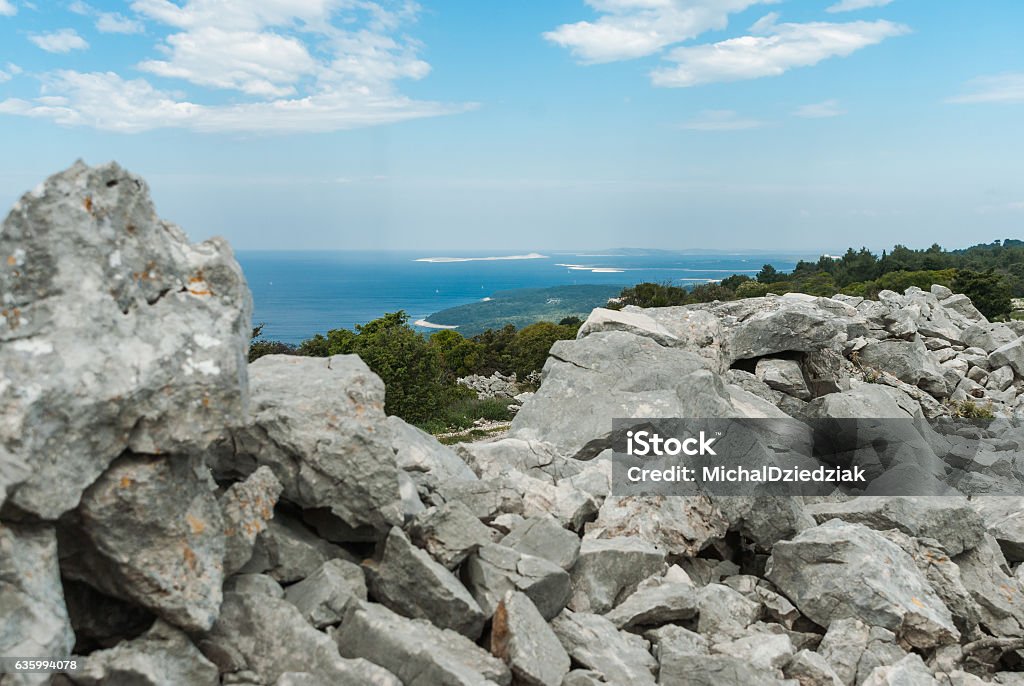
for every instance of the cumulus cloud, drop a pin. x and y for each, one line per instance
(7, 8)
(318, 65)
(1000, 88)
(819, 110)
(771, 50)
(107, 22)
(852, 5)
(628, 29)
(721, 120)
(61, 41)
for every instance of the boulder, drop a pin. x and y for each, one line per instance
(759, 327)
(910, 671)
(678, 525)
(988, 336)
(609, 570)
(714, 670)
(522, 638)
(1003, 517)
(825, 569)
(150, 531)
(783, 375)
(319, 424)
(422, 456)
(288, 551)
(408, 581)
(246, 507)
(416, 651)
(449, 532)
(594, 642)
(999, 598)
(35, 619)
(809, 668)
(544, 537)
(909, 362)
(1011, 354)
(116, 329)
(163, 656)
(493, 570)
(655, 605)
(324, 596)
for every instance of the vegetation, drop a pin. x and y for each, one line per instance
(991, 274)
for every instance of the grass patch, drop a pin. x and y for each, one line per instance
(462, 413)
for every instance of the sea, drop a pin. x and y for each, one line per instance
(297, 293)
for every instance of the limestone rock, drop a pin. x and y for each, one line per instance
(1004, 519)
(288, 551)
(416, 651)
(544, 537)
(408, 581)
(783, 375)
(115, 328)
(420, 454)
(522, 638)
(323, 596)
(246, 507)
(493, 570)
(823, 571)
(679, 525)
(811, 669)
(1011, 354)
(656, 605)
(594, 642)
(449, 532)
(609, 570)
(150, 530)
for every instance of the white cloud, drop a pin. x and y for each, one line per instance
(721, 120)
(819, 110)
(107, 22)
(1001, 88)
(318, 65)
(773, 50)
(852, 5)
(7, 8)
(628, 29)
(62, 41)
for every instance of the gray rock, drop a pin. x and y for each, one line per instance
(522, 638)
(420, 454)
(486, 498)
(764, 520)
(449, 532)
(583, 677)
(823, 570)
(843, 646)
(288, 551)
(416, 651)
(246, 507)
(150, 530)
(767, 653)
(872, 401)
(532, 458)
(909, 362)
(323, 596)
(163, 656)
(713, 670)
(35, 619)
(319, 424)
(987, 336)
(999, 598)
(269, 637)
(811, 669)
(544, 537)
(609, 570)
(1000, 379)
(1004, 520)
(408, 581)
(725, 611)
(783, 375)
(960, 304)
(758, 327)
(679, 525)
(257, 584)
(1011, 354)
(594, 642)
(910, 671)
(89, 268)
(950, 521)
(656, 605)
(493, 570)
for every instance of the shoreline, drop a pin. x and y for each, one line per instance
(430, 325)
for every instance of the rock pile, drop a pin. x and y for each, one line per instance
(173, 516)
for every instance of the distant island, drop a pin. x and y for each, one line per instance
(523, 306)
(529, 256)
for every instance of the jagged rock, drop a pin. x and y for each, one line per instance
(869, 401)
(999, 598)
(609, 570)
(571, 506)
(323, 596)
(256, 584)
(656, 605)
(408, 581)
(420, 454)
(783, 375)
(497, 385)
(724, 610)
(99, 620)
(843, 645)
(416, 651)
(909, 362)
(544, 537)
(811, 669)
(713, 670)
(767, 653)
(486, 498)
(594, 642)
(449, 532)
(288, 551)
(1011, 354)
(823, 569)
(950, 521)
(987, 336)
(115, 328)
(961, 305)
(764, 519)
(150, 531)
(1004, 519)
(583, 677)
(494, 569)
(246, 507)
(910, 671)
(532, 458)
(269, 637)
(319, 424)
(163, 656)
(522, 638)
(758, 327)
(679, 525)
(1000, 379)
(35, 620)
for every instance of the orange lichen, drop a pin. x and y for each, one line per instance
(197, 525)
(12, 260)
(190, 558)
(126, 481)
(88, 204)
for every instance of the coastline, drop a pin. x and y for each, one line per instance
(429, 325)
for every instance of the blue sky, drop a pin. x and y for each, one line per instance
(539, 125)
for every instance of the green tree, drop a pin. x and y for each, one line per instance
(258, 346)
(989, 291)
(456, 355)
(531, 345)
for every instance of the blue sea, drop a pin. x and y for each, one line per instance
(298, 294)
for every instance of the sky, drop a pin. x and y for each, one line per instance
(532, 125)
